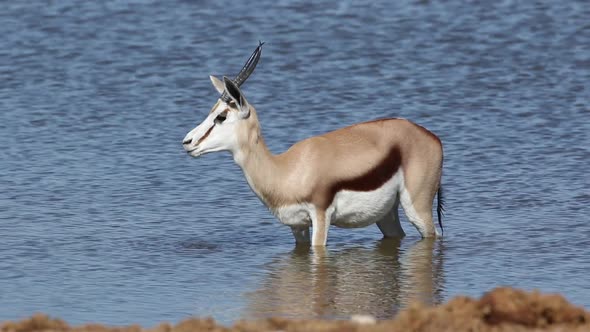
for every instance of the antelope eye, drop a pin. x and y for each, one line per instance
(221, 117)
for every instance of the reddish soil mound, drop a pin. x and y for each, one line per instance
(503, 309)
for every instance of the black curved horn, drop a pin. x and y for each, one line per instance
(249, 66)
(246, 70)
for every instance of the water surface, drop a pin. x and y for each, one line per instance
(104, 218)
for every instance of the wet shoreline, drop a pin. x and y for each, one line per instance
(502, 309)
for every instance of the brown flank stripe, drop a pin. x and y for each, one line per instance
(372, 180)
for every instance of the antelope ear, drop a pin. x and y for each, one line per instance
(217, 83)
(234, 92)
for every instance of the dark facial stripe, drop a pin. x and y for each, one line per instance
(205, 136)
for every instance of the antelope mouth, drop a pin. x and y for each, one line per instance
(194, 153)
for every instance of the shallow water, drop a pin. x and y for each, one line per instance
(103, 217)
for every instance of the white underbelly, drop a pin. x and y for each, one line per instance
(296, 215)
(363, 208)
(349, 209)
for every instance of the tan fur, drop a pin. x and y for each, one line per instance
(361, 157)
(351, 177)
(305, 171)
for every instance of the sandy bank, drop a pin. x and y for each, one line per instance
(503, 309)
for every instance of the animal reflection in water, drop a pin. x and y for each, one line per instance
(336, 284)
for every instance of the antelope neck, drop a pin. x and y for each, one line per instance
(261, 169)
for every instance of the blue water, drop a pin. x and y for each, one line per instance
(104, 218)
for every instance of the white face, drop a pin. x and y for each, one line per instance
(218, 132)
(215, 133)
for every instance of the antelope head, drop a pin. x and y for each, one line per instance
(230, 121)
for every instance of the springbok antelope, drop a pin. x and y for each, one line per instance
(352, 177)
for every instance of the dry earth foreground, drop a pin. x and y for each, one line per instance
(503, 309)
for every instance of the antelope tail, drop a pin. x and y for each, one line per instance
(440, 208)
